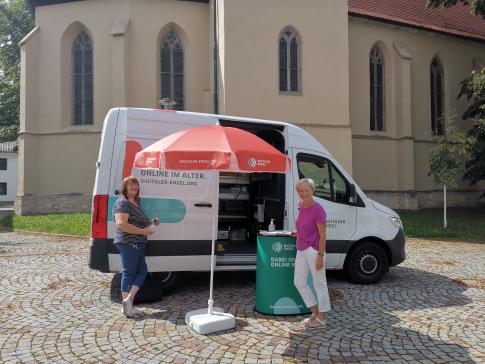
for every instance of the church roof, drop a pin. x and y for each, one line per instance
(34, 3)
(456, 20)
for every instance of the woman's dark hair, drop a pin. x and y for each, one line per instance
(124, 187)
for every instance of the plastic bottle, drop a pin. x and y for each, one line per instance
(271, 226)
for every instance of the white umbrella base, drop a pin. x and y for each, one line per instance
(203, 323)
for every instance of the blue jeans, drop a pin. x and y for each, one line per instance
(133, 265)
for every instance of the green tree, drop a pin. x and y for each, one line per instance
(473, 88)
(15, 23)
(478, 6)
(447, 158)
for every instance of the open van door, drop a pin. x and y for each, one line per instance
(335, 193)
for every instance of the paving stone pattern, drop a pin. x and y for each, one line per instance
(53, 308)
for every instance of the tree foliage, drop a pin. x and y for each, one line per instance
(473, 88)
(447, 158)
(477, 8)
(15, 23)
(475, 167)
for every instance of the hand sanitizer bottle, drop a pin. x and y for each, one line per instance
(271, 226)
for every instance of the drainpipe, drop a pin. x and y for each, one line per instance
(216, 52)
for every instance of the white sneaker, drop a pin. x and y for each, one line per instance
(304, 323)
(316, 322)
(137, 312)
(127, 307)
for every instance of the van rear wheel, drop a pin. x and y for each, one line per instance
(167, 280)
(367, 263)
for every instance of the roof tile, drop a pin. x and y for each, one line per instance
(456, 20)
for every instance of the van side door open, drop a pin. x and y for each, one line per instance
(334, 192)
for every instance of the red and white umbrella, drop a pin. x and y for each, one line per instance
(213, 147)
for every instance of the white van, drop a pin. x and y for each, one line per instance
(364, 237)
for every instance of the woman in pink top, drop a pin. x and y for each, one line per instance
(310, 244)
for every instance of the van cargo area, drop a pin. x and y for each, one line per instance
(247, 203)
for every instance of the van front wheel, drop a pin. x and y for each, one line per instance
(367, 263)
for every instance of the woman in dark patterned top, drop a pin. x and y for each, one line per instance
(132, 229)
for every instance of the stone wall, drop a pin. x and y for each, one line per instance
(414, 200)
(52, 203)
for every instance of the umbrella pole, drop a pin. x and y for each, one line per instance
(214, 231)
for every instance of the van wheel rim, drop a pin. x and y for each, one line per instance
(166, 277)
(368, 263)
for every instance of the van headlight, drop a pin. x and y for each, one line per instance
(396, 221)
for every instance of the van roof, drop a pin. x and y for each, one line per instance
(298, 136)
(218, 116)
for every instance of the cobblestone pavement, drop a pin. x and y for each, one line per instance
(54, 309)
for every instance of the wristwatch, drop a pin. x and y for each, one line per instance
(321, 254)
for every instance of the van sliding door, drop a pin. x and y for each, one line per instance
(182, 200)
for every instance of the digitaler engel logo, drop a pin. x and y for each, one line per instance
(252, 162)
(277, 247)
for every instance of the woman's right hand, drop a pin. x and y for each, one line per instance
(147, 231)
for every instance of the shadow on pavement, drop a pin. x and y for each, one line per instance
(364, 322)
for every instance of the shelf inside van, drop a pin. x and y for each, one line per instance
(233, 196)
(234, 178)
(232, 217)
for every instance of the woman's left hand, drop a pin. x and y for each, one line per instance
(155, 221)
(319, 262)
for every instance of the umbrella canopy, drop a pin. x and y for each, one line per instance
(213, 147)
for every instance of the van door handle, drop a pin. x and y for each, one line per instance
(203, 204)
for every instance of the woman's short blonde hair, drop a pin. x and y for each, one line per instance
(306, 181)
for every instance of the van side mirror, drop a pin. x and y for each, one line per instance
(352, 194)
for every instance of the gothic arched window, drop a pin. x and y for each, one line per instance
(437, 96)
(289, 59)
(377, 89)
(82, 80)
(172, 70)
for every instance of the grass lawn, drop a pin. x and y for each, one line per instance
(465, 224)
(67, 224)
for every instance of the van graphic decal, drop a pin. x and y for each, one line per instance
(169, 211)
(131, 148)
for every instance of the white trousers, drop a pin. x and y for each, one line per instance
(306, 261)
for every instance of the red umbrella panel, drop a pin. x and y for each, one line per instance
(213, 148)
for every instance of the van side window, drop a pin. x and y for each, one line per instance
(317, 169)
(341, 191)
(329, 182)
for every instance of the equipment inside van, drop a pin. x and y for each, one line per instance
(364, 237)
